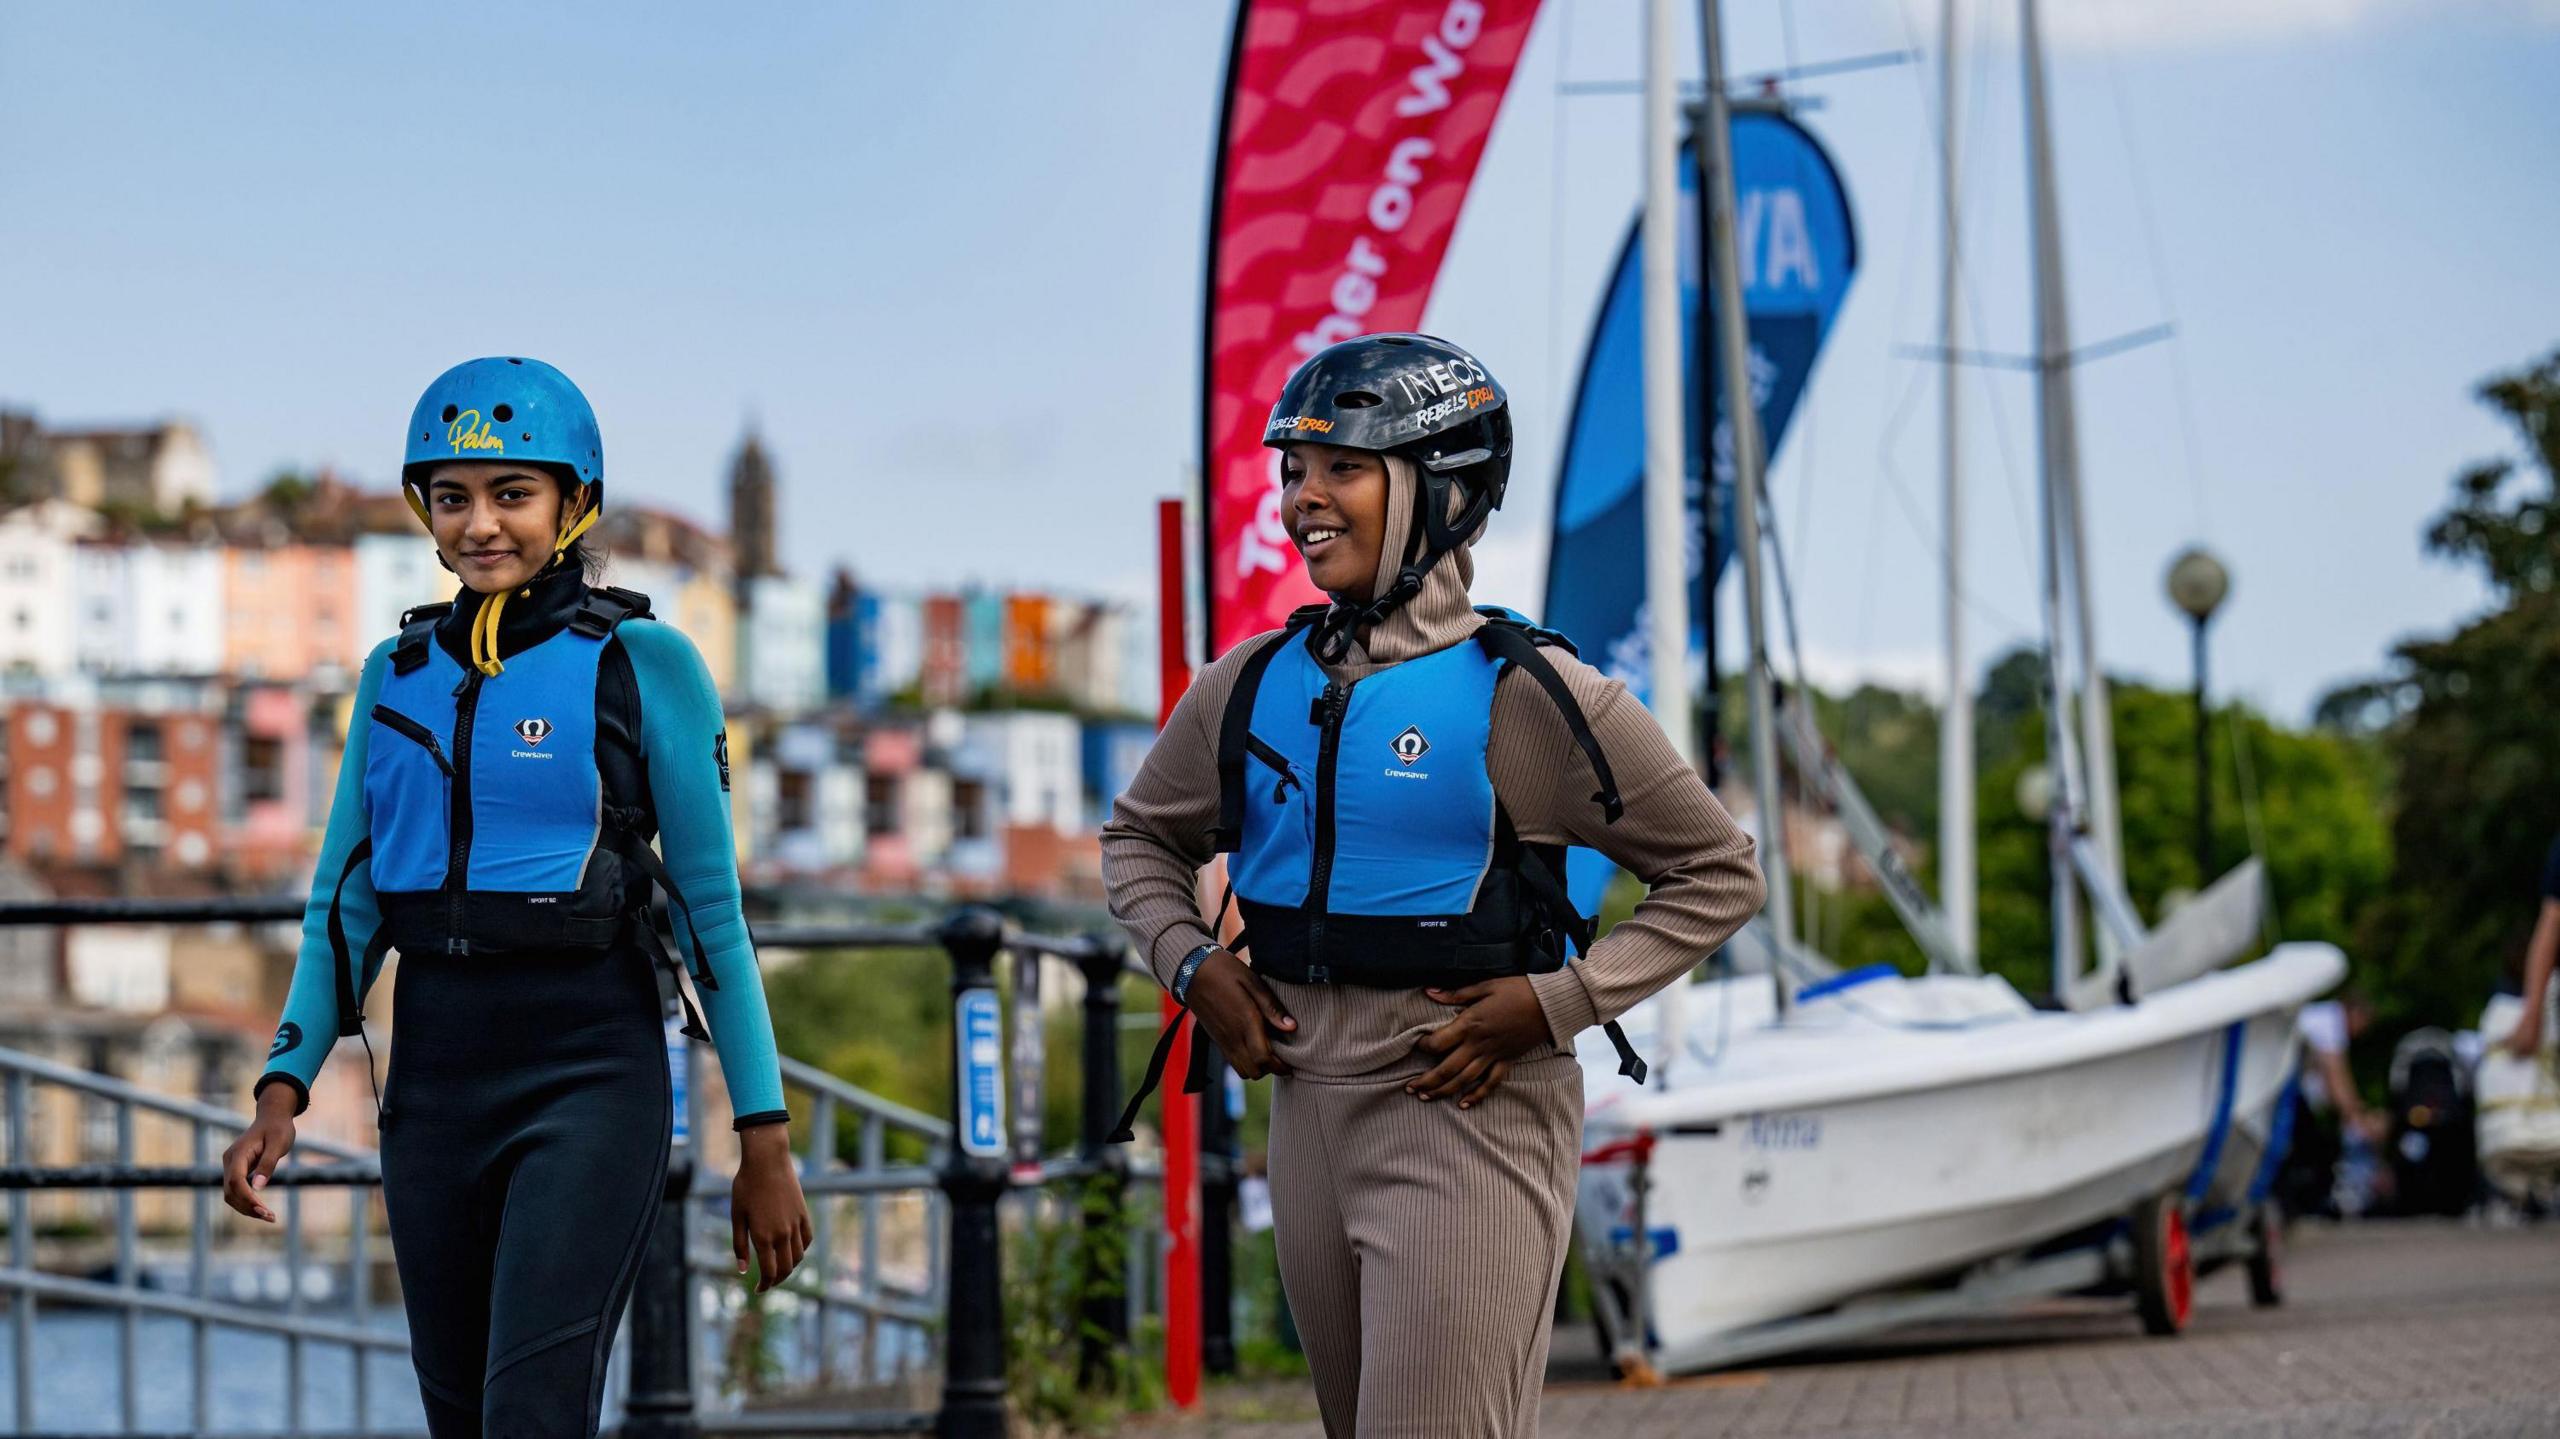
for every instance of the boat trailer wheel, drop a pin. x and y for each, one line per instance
(2164, 1265)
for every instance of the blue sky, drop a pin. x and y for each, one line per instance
(948, 259)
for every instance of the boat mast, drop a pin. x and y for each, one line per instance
(1666, 509)
(2054, 461)
(1955, 727)
(1726, 298)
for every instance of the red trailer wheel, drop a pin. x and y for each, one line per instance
(2164, 1265)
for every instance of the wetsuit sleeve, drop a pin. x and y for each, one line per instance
(685, 740)
(1158, 835)
(309, 1029)
(1701, 879)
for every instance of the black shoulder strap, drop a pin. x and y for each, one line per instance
(1545, 639)
(1236, 725)
(417, 633)
(605, 607)
(1513, 643)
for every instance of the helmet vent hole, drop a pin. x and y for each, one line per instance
(528, 437)
(449, 413)
(502, 414)
(512, 360)
(1357, 400)
(1393, 340)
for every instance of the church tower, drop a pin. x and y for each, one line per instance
(751, 506)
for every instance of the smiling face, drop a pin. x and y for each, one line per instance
(495, 523)
(1334, 502)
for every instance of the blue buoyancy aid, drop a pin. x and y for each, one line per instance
(1369, 845)
(1370, 848)
(487, 809)
(490, 829)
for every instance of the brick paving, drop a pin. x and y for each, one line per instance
(2427, 1329)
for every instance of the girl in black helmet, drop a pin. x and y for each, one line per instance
(511, 757)
(1393, 777)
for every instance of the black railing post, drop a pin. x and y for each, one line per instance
(1218, 1176)
(973, 1179)
(660, 1405)
(1104, 1278)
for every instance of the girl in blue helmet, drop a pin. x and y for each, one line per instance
(511, 756)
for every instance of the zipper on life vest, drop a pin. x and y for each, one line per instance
(458, 866)
(1328, 711)
(1256, 746)
(413, 730)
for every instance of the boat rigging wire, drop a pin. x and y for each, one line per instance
(2182, 389)
(1786, 34)
(2270, 921)
(1972, 295)
(1556, 211)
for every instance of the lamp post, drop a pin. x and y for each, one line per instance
(2198, 584)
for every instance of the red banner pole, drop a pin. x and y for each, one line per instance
(1181, 1112)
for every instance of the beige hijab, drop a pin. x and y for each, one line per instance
(1442, 614)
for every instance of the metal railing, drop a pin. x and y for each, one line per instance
(853, 1332)
(299, 1323)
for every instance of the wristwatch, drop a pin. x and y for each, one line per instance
(1190, 968)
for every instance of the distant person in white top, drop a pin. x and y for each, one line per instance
(2326, 1106)
(2526, 1038)
(2326, 1028)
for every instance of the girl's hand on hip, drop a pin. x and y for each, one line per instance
(1241, 1013)
(1498, 1021)
(766, 1210)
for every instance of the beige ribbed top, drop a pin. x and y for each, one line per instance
(1694, 860)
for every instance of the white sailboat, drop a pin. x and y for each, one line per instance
(1822, 1154)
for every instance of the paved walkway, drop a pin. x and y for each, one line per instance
(2390, 1329)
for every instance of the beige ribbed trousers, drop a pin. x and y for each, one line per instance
(1420, 1245)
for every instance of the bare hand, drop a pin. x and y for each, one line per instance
(1242, 1015)
(1498, 1021)
(2525, 1040)
(766, 1210)
(252, 1158)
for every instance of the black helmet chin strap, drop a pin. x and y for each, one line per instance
(1333, 634)
(1439, 536)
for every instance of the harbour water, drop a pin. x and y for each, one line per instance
(77, 1382)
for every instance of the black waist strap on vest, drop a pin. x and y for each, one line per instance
(1197, 1078)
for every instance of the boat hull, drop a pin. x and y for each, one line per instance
(1766, 1213)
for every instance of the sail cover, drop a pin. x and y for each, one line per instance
(1350, 132)
(1798, 250)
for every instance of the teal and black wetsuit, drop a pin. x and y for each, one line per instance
(524, 1128)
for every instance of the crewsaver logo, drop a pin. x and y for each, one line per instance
(288, 1038)
(1410, 745)
(720, 752)
(533, 731)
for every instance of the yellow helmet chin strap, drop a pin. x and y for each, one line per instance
(577, 520)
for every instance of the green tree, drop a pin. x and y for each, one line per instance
(286, 490)
(2313, 796)
(2313, 814)
(2470, 731)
